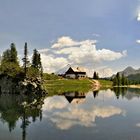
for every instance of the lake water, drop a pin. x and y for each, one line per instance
(103, 115)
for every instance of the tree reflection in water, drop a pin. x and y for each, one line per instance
(124, 92)
(14, 107)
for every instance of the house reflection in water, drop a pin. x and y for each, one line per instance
(75, 97)
(95, 93)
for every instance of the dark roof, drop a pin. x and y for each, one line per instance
(75, 70)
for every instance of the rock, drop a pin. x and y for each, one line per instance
(10, 85)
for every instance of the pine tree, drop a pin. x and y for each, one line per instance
(95, 75)
(9, 62)
(35, 59)
(14, 57)
(36, 62)
(123, 80)
(25, 59)
(40, 65)
(10, 55)
(119, 79)
(6, 56)
(115, 81)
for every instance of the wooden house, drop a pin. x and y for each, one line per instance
(75, 73)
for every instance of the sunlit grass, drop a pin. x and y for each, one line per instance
(106, 84)
(63, 85)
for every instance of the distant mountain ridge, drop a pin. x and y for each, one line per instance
(129, 71)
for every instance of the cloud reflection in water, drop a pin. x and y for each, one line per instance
(65, 115)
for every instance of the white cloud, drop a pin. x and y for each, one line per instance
(138, 17)
(96, 35)
(64, 41)
(138, 41)
(104, 72)
(77, 53)
(66, 115)
(51, 63)
(138, 125)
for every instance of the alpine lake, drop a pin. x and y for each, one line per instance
(111, 114)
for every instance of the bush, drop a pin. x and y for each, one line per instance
(10, 69)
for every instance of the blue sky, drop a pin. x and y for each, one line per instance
(112, 23)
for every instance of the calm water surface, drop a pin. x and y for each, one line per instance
(103, 115)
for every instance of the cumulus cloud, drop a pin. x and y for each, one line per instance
(138, 41)
(66, 115)
(106, 71)
(51, 63)
(64, 41)
(138, 17)
(77, 53)
(138, 125)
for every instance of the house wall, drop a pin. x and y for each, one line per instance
(81, 75)
(73, 76)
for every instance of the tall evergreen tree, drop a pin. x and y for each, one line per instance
(36, 62)
(123, 80)
(35, 59)
(115, 81)
(14, 57)
(6, 56)
(119, 79)
(10, 55)
(95, 75)
(25, 59)
(9, 62)
(40, 65)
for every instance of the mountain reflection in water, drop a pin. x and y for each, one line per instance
(85, 115)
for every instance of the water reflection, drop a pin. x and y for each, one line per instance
(14, 107)
(78, 112)
(128, 93)
(75, 97)
(95, 93)
(73, 112)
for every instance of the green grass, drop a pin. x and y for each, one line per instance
(63, 85)
(54, 85)
(47, 76)
(106, 84)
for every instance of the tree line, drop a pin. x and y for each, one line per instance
(95, 75)
(10, 63)
(120, 80)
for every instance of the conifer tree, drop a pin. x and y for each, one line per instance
(10, 55)
(118, 79)
(25, 59)
(95, 75)
(6, 56)
(36, 62)
(35, 59)
(13, 54)
(9, 62)
(123, 80)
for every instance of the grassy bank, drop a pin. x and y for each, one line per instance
(67, 85)
(54, 84)
(105, 84)
(134, 86)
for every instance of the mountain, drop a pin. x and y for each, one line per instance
(132, 74)
(134, 77)
(129, 71)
